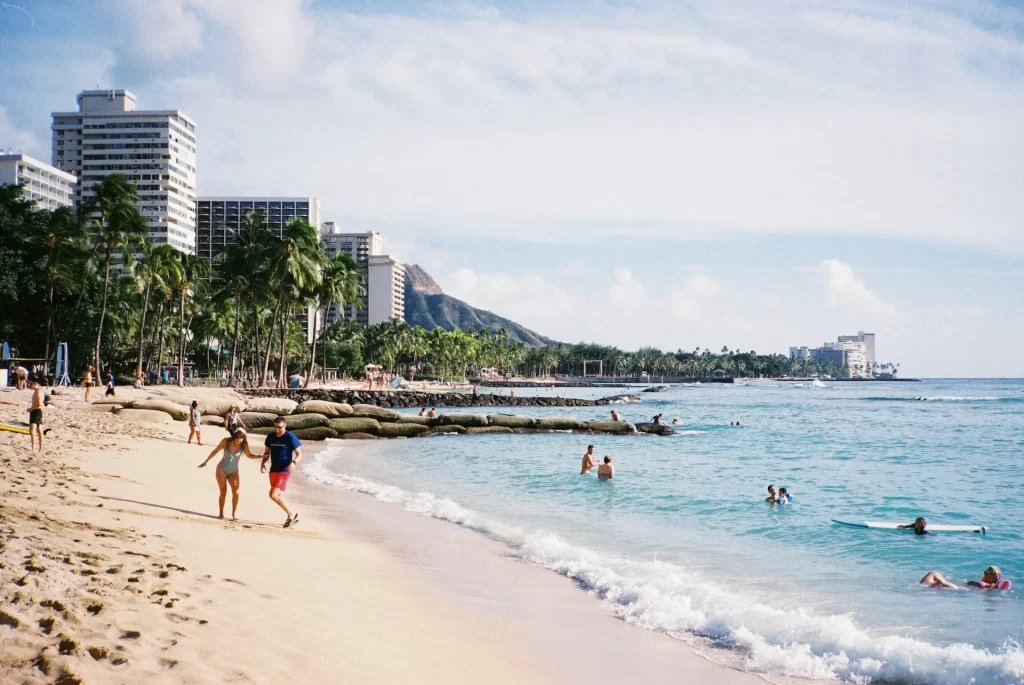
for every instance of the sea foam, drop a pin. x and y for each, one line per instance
(668, 598)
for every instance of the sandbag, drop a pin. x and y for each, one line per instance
(401, 430)
(532, 430)
(448, 429)
(219, 406)
(467, 420)
(560, 423)
(655, 428)
(260, 430)
(354, 425)
(369, 411)
(144, 415)
(608, 426)
(300, 421)
(253, 419)
(212, 420)
(125, 404)
(271, 405)
(178, 412)
(510, 421)
(489, 429)
(317, 433)
(331, 410)
(358, 436)
(420, 420)
(75, 405)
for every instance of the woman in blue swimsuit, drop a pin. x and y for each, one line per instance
(231, 450)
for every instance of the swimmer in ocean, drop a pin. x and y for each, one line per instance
(773, 495)
(588, 461)
(784, 497)
(606, 471)
(919, 525)
(991, 579)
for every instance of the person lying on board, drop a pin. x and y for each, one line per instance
(919, 525)
(991, 579)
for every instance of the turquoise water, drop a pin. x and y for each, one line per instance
(681, 540)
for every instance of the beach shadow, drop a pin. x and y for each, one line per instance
(261, 524)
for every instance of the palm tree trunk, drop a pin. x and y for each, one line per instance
(312, 354)
(160, 345)
(142, 329)
(270, 341)
(181, 341)
(49, 329)
(282, 375)
(234, 343)
(103, 310)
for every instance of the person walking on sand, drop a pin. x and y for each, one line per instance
(233, 420)
(35, 416)
(195, 420)
(282, 449)
(606, 471)
(87, 382)
(231, 448)
(110, 386)
(588, 461)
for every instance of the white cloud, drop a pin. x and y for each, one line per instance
(845, 289)
(686, 303)
(162, 29)
(14, 138)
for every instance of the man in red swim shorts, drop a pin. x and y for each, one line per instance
(282, 449)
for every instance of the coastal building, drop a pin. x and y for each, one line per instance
(360, 247)
(385, 289)
(869, 346)
(800, 353)
(154, 149)
(219, 218)
(856, 358)
(48, 186)
(829, 353)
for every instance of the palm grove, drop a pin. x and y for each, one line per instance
(125, 305)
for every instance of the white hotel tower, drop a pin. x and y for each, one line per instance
(155, 150)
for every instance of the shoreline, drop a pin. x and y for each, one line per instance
(184, 596)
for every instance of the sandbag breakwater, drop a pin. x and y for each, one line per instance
(412, 398)
(322, 419)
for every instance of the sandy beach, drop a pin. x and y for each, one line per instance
(115, 568)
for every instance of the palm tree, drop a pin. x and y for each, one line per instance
(118, 226)
(340, 285)
(189, 280)
(296, 269)
(156, 268)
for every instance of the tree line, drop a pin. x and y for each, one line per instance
(129, 306)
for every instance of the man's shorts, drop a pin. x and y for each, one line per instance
(279, 480)
(35, 416)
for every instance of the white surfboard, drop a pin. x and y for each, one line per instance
(888, 525)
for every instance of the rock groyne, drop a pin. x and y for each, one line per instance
(412, 398)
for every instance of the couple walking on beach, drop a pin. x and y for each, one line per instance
(281, 448)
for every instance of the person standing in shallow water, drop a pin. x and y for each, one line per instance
(282, 449)
(588, 461)
(606, 471)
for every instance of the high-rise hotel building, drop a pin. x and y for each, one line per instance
(219, 218)
(360, 247)
(155, 150)
(48, 187)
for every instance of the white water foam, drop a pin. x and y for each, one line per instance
(667, 598)
(955, 398)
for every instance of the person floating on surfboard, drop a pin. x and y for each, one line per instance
(919, 525)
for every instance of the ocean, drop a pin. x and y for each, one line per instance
(682, 542)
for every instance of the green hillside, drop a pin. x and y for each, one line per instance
(427, 306)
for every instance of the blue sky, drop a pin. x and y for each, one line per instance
(755, 175)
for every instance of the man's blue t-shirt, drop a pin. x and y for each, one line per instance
(281, 448)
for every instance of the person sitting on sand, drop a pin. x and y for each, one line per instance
(231, 448)
(615, 416)
(282, 449)
(773, 495)
(431, 414)
(991, 579)
(606, 471)
(140, 380)
(588, 461)
(919, 525)
(195, 420)
(233, 420)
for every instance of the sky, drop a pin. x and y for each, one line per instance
(746, 174)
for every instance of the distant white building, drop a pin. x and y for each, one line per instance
(360, 247)
(869, 346)
(799, 353)
(856, 352)
(856, 358)
(155, 151)
(218, 219)
(385, 289)
(48, 186)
